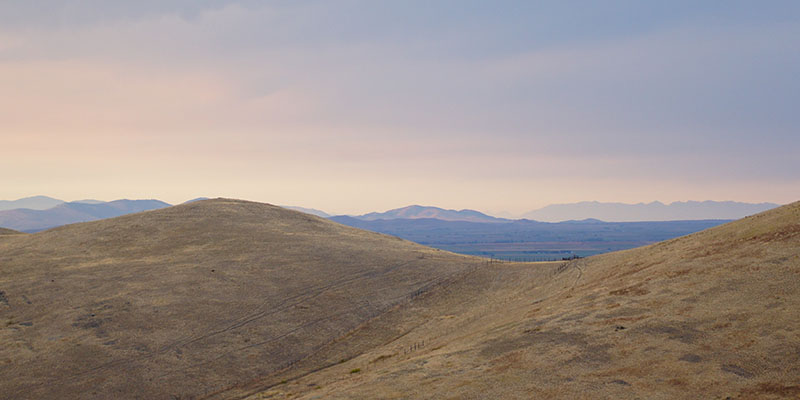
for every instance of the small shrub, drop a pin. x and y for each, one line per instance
(382, 357)
(355, 371)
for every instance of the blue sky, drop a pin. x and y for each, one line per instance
(352, 106)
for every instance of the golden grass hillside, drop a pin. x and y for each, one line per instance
(195, 299)
(232, 299)
(712, 315)
(6, 231)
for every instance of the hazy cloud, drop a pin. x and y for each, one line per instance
(524, 93)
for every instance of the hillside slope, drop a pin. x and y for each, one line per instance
(194, 299)
(4, 231)
(710, 315)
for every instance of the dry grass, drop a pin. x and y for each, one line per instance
(230, 299)
(194, 299)
(6, 231)
(710, 315)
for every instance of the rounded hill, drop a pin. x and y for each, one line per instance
(193, 299)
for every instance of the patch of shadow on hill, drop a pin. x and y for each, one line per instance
(682, 332)
(622, 312)
(737, 370)
(772, 389)
(546, 340)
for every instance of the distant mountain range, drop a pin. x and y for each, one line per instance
(34, 220)
(312, 211)
(583, 211)
(419, 212)
(40, 203)
(37, 213)
(577, 234)
(32, 203)
(655, 211)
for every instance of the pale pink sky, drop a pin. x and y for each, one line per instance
(352, 106)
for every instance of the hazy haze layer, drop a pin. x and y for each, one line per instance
(350, 106)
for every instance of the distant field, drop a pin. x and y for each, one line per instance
(536, 251)
(531, 240)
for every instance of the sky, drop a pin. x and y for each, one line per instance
(357, 106)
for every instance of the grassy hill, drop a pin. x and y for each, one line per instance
(709, 315)
(233, 299)
(194, 299)
(5, 231)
